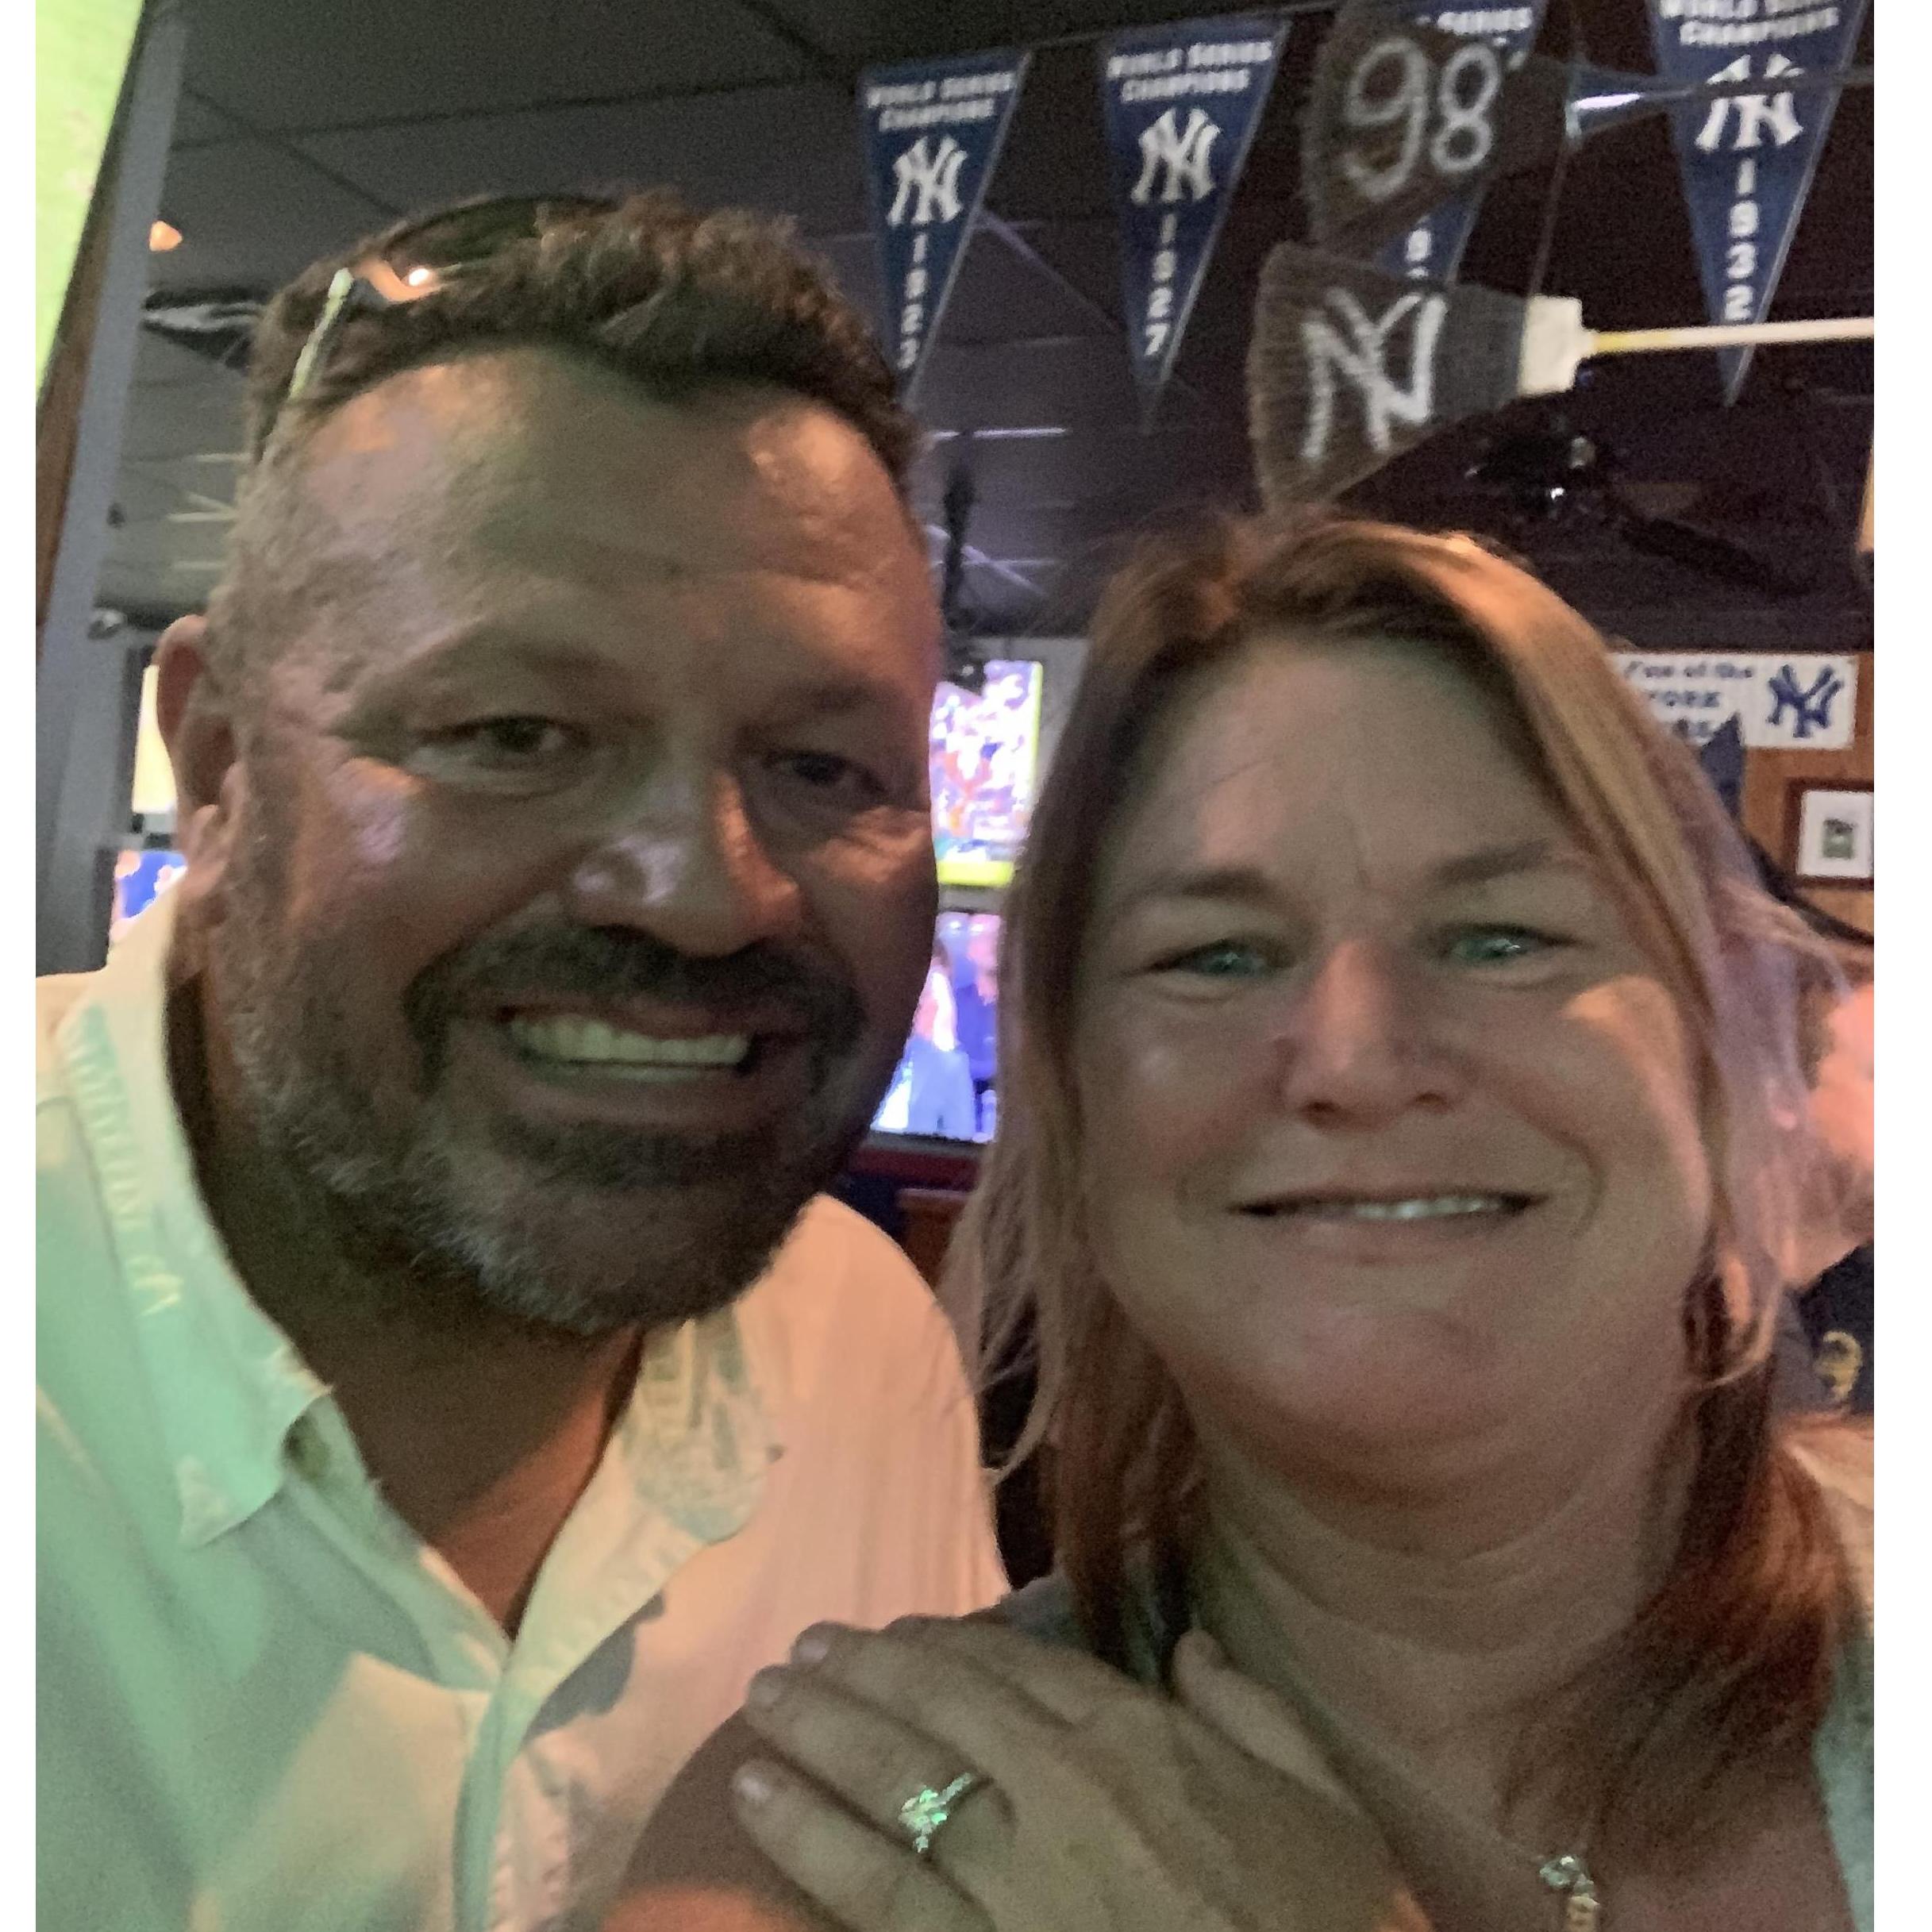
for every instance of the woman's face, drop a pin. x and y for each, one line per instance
(1401, 1135)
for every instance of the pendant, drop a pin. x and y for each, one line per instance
(1583, 1911)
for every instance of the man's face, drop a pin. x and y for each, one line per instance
(571, 888)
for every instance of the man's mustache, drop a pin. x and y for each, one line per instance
(615, 963)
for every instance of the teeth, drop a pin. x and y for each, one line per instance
(1426, 1207)
(591, 1043)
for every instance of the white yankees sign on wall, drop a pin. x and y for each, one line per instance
(1181, 104)
(1783, 701)
(933, 130)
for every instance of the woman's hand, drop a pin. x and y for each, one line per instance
(1103, 1806)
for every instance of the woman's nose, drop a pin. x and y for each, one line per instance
(1356, 1047)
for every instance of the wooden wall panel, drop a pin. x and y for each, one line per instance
(1767, 775)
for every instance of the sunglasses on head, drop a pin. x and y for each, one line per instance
(427, 255)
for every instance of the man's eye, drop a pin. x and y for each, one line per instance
(827, 772)
(1497, 945)
(506, 741)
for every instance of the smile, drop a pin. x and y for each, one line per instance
(567, 1041)
(1412, 1207)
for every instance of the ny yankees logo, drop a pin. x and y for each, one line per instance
(932, 174)
(1182, 152)
(1811, 709)
(1757, 113)
(1362, 359)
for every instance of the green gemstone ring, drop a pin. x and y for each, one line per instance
(926, 1811)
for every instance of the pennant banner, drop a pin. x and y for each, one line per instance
(1181, 104)
(1747, 159)
(1453, 113)
(1402, 118)
(933, 130)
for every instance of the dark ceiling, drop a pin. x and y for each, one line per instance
(303, 126)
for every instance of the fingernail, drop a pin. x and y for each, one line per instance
(767, 1688)
(753, 1783)
(813, 1646)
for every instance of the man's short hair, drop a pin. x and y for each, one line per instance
(684, 301)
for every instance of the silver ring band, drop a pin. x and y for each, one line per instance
(924, 1814)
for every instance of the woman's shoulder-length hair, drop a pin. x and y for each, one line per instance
(1732, 958)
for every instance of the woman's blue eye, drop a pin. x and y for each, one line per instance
(1489, 946)
(1225, 959)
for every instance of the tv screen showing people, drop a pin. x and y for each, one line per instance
(985, 759)
(140, 878)
(945, 1088)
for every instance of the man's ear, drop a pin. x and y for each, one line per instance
(196, 712)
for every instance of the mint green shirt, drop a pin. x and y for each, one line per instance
(265, 1706)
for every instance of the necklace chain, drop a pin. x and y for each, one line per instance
(1564, 1874)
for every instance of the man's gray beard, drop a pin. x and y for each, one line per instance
(423, 1236)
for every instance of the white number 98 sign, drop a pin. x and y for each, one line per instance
(1442, 114)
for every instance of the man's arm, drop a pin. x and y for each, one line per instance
(694, 1870)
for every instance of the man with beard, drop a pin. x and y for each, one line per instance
(453, 1386)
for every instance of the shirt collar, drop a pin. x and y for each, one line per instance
(227, 1382)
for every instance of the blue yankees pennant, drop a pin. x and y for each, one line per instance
(933, 130)
(1747, 160)
(1181, 104)
(1432, 250)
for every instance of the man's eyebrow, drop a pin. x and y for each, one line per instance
(494, 643)
(831, 698)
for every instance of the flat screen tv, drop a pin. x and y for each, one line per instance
(946, 1086)
(985, 750)
(140, 878)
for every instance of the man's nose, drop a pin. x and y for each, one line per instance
(688, 867)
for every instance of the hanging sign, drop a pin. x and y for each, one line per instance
(1747, 159)
(1181, 104)
(1348, 368)
(1799, 702)
(1401, 118)
(1454, 113)
(933, 130)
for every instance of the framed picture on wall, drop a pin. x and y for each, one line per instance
(1828, 833)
